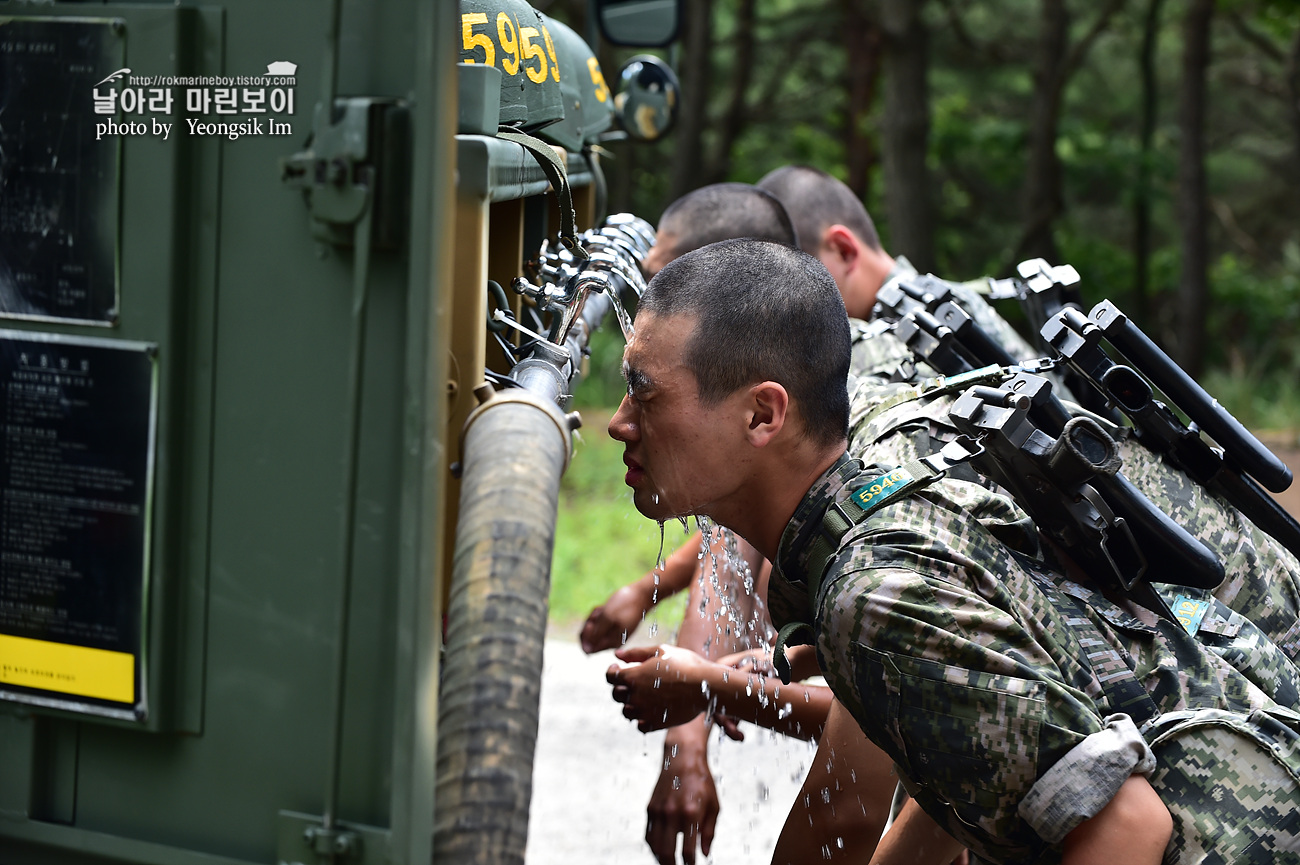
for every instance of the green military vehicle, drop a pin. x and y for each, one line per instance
(291, 298)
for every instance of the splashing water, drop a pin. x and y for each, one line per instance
(624, 320)
(784, 712)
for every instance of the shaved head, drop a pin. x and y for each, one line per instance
(725, 211)
(815, 200)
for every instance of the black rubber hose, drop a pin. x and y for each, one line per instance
(515, 450)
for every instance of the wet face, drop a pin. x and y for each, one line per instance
(682, 457)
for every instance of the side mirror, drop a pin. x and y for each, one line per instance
(648, 98)
(639, 23)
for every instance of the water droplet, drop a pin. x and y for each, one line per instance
(826, 795)
(853, 776)
(657, 680)
(826, 851)
(726, 677)
(672, 752)
(839, 842)
(654, 628)
(784, 712)
(704, 689)
(677, 782)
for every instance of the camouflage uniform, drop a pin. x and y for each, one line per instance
(979, 669)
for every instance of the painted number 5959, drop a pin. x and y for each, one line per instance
(517, 46)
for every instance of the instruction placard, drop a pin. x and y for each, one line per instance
(77, 421)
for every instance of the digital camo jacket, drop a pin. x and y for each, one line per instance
(975, 665)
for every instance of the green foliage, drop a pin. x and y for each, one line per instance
(1255, 323)
(603, 383)
(1266, 401)
(983, 57)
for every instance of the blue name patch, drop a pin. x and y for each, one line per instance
(882, 488)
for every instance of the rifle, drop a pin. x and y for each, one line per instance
(1070, 483)
(1227, 472)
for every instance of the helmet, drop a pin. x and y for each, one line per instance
(588, 103)
(511, 35)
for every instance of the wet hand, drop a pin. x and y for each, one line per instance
(661, 687)
(752, 660)
(685, 803)
(608, 625)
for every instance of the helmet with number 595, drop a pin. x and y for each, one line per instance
(513, 37)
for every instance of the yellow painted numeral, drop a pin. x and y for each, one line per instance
(509, 44)
(471, 40)
(598, 79)
(550, 49)
(529, 51)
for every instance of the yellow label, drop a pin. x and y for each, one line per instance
(66, 669)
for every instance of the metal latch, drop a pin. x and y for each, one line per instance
(304, 840)
(357, 158)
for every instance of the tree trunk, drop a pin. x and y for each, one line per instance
(742, 73)
(1041, 199)
(1142, 194)
(861, 36)
(1193, 289)
(1292, 73)
(697, 51)
(907, 132)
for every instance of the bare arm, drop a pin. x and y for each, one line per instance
(685, 799)
(845, 799)
(668, 685)
(1133, 829)
(608, 625)
(915, 839)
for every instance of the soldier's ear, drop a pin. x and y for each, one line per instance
(767, 411)
(842, 244)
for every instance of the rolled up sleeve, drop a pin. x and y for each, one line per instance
(1087, 777)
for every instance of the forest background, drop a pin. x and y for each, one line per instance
(1152, 144)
